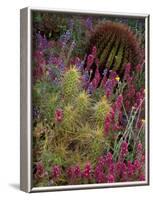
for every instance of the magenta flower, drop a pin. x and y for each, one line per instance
(58, 114)
(111, 168)
(139, 147)
(137, 164)
(123, 150)
(110, 178)
(138, 68)
(40, 170)
(107, 126)
(87, 171)
(90, 60)
(127, 71)
(96, 79)
(101, 161)
(55, 171)
(70, 172)
(118, 103)
(94, 51)
(99, 175)
(130, 168)
(77, 171)
(142, 177)
(109, 158)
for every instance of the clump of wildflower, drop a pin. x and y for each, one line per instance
(139, 147)
(65, 38)
(127, 76)
(107, 124)
(137, 164)
(130, 168)
(41, 42)
(90, 60)
(110, 178)
(77, 171)
(110, 83)
(96, 79)
(58, 114)
(123, 150)
(70, 172)
(94, 51)
(89, 23)
(55, 172)
(142, 177)
(40, 170)
(108, 158)
(118, 103)
(87, 171)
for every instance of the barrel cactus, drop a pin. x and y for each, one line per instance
(116, 46)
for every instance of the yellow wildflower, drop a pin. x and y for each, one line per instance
(117, 78)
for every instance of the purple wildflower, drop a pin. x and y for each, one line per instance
(41, 41)
(89, 24)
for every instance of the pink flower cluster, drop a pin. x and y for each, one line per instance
(91, 57)
(39, 170)
(113, 117)
(132, 96)
(107, 170)
(58, 115)
(55, 172)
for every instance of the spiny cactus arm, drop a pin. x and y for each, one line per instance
(82, 103)
(101, 109)
(71, 82)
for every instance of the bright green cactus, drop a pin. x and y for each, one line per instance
(71, 83)
(69, 119)
(82, 102)
(101, 109)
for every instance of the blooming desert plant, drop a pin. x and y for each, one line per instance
(88, 100)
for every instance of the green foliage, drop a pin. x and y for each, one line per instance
(46, 97)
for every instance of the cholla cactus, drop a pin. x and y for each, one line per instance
(69, 119)
(82, 102)
(71, 83)
(101, 109)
